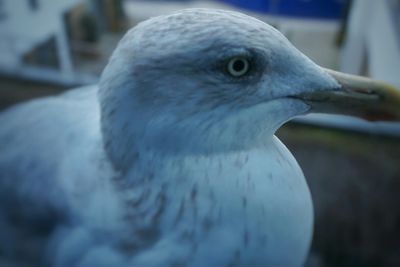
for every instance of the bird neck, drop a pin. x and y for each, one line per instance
(130, 134)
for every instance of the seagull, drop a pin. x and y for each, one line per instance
(171, 160)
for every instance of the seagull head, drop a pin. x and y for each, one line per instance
(206, 81)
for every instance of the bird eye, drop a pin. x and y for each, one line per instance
(238, 66)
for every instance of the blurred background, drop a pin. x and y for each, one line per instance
(352, 166)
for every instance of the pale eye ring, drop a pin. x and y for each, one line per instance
(238, 66)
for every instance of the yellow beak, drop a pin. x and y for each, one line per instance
(358, 96)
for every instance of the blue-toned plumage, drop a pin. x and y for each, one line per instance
(169, 161)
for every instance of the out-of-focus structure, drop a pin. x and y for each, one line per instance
(38, 37)
(372, 42)
(32, 32)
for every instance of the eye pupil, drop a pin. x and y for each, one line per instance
(238, 66)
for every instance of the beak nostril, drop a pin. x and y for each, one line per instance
(357, 89)
(360, 94)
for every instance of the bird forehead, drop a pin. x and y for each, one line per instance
(204, 27)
